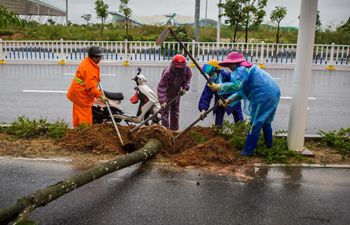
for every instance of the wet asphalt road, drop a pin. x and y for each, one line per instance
(149, 194)
(329, 107)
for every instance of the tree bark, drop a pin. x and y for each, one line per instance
(246, 30)
(101, 32)
(127, 28)
(235, 33)
(278, 33)
(50, 193)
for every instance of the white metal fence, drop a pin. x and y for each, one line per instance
(265, 53)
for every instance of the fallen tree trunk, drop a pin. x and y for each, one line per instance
(26, 204)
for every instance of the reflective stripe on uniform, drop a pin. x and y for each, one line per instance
(78, 80)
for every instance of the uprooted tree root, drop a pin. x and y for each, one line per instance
(199, 147)
(141, 136)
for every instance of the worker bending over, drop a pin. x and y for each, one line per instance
(257, 88)
(218, 76)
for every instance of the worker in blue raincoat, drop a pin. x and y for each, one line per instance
(260, 93)
(217, 75)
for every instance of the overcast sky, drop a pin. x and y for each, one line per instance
(332, 12)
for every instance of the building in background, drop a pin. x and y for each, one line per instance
(159, 20)
(33, 9)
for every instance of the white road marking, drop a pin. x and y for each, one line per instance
(64, 92)
(43, 91)
(102, 74)
(288, 97)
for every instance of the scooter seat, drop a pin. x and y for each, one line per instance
(114, 96)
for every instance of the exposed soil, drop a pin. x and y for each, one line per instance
(98, 139)
(199, 147)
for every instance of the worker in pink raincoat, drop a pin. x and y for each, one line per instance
(175, 81)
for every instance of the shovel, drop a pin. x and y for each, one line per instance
(201, 117)
(128, 147)
(154, 114)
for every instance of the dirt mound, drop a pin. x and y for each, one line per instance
(193, 137)
(216, 151)
(100, 138)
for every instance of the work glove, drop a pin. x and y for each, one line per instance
(182, 92)
(213, 86)
(224, 103)
(103, 99)
(163, 105)
(203, 115)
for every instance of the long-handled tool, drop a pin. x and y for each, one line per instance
(155, 113)
(128, 147)
(163, 36)
(201, 117)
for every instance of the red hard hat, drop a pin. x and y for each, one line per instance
(179, 61)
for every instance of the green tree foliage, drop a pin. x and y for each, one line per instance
(8, 18)
(182, 33)
(126, 11)
(247, 13)
(277, 16)
(51, 22)
(87, 18)
(253, 14)
(115, 32)
(102, 12)
(345, 27)
(233, 14)
(318, 21)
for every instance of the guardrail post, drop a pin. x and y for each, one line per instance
(331, 59)
(262, 49)
(126, 46)
(62, 60)
(193, 52)
(2, 60)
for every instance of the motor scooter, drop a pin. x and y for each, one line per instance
(144, 95)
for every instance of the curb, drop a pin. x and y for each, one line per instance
(304, 165)
(274, 165)
(58, 159)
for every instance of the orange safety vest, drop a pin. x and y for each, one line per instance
(83, 89)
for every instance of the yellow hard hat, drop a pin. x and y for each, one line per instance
(214, 63)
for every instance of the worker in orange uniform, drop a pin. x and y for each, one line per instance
(84, 88)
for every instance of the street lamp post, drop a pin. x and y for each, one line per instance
(302, 76)
(196, 20)
(218, 24)
(66, 12)
(206, 12)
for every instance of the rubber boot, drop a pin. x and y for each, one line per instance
(252, 140)
(219, 116)
(267, 129)
(237, 116)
